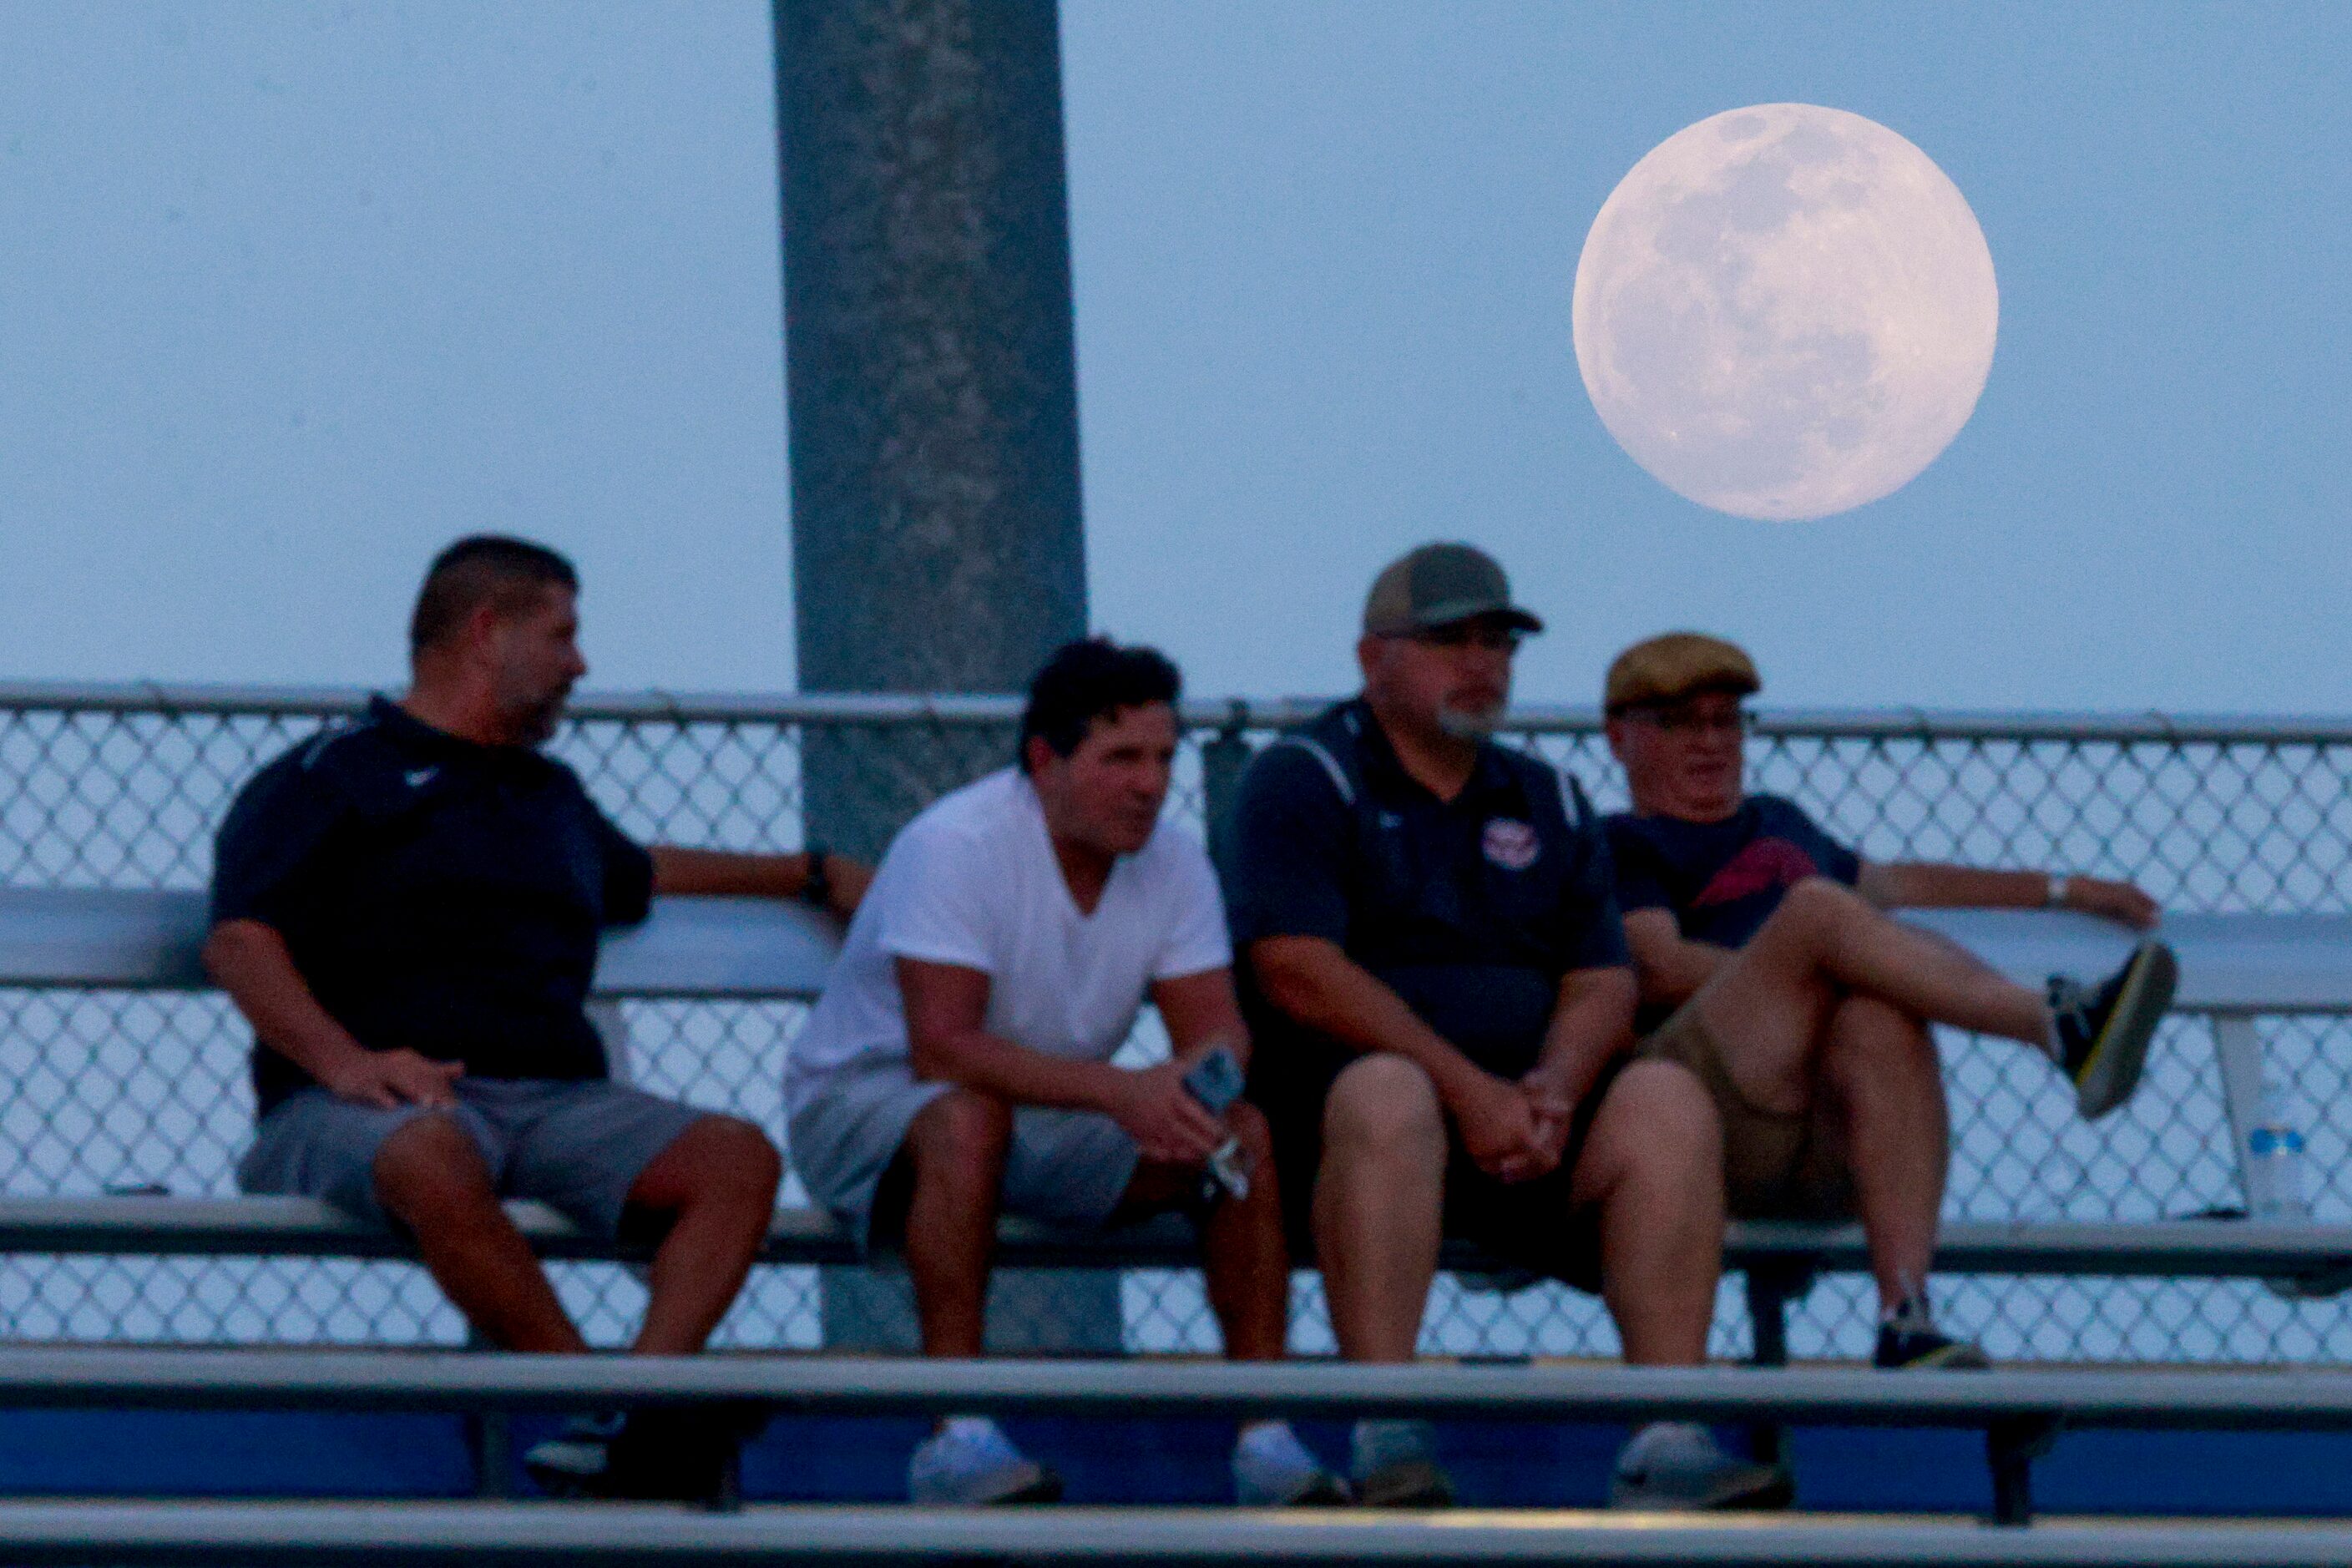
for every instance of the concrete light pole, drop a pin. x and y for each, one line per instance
(937, 544)
(931, 389)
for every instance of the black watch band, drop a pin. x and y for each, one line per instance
(818, 887)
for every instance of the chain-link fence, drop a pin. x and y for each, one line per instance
(121, 787)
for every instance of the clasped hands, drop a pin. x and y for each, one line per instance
(1516, 1131)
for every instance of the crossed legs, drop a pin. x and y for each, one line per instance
(1652, 1162)
(714, 1188)
(1824, 1014)
(956, 1150)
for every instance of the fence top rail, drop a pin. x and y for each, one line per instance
(951, 709)
(248, 1533)
(471, 1380)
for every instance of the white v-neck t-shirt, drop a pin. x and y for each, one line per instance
(973, 883)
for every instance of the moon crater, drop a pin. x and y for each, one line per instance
(1785, 311)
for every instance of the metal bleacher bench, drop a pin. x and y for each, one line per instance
(2234, 968)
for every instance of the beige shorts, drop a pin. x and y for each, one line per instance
(1775, 1166)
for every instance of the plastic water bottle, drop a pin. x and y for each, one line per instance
(2274, 1162)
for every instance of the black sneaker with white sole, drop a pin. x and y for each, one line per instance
(653, 1455)
(2103, 1033)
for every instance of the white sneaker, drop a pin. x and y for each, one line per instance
(1678, 1465)
(1271, 1469)
(1394, 1465)
(969, 1463)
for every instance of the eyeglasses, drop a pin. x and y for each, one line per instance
(1696, 722)
(1470, 633)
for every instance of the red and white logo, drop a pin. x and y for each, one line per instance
(1511, 844)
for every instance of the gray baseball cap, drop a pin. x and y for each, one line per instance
(1438, 584)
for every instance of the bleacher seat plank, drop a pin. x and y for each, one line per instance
(274, 1377)
(303, 1227)
(152, 940)
(509, 1533)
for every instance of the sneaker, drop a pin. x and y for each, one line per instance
(653, 1455)
(969, 1463)
(1678, 1465)
(1271, 1469)
(2103, 1033)
(1910, 1341)
(577, 1462)
(1394, 1465)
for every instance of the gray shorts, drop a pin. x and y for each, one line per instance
(575, 1144)
(1067, 1168)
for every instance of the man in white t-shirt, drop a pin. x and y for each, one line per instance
(959, 1065)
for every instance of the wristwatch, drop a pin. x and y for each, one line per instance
(2059, 886)
(818, 887)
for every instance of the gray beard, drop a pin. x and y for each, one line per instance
(1468, 726)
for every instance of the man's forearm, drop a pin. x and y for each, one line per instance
(1921, 884)
(1683, 972)
(251, 962)
(729, 874)
(1017, 1074)
(1592, 1025)
(1319, 985)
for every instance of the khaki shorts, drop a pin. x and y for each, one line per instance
(1775, 1166)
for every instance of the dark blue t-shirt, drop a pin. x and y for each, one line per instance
(1721, 880)
(1472, 910)
(435, 895)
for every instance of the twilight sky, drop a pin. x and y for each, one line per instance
(295, 290)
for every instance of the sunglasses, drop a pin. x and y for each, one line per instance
(1692, 722)
(1470, 633)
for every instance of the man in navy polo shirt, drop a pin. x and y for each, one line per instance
(1438, 985)
(406, 908)
(1770, 970)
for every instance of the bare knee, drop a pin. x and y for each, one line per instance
(1813, 908)
(1656, 1127)
(1386, 1104)
(963, 1132)
(428, 1170)
(734, 1157)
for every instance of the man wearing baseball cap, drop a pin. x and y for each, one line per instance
(1437, 980)
(1770, 968)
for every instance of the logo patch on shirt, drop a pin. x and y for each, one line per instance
(419, 777)
(1511, 844)
(1769, 865)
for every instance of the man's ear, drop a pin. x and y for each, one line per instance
(1036, 753)
(1368, 656)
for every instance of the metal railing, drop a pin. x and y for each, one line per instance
(123, 785)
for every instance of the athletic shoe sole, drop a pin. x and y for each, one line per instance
(2110, 1074)
(1408, 1483)
(1742, 1488)
(1326, 1490)
(1957, 1356)
(1032, 1483)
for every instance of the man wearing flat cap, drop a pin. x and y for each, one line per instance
(1437, 980)
(1768, 967)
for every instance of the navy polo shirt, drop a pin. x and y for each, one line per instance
(1722, 880)
(435, 894)
(1472, 910)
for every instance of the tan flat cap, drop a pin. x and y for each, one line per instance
(1676, 664)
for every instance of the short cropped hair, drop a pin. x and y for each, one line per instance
(483, 569)
(1090, 680)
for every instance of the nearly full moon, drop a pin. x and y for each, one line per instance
(1785, 311)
